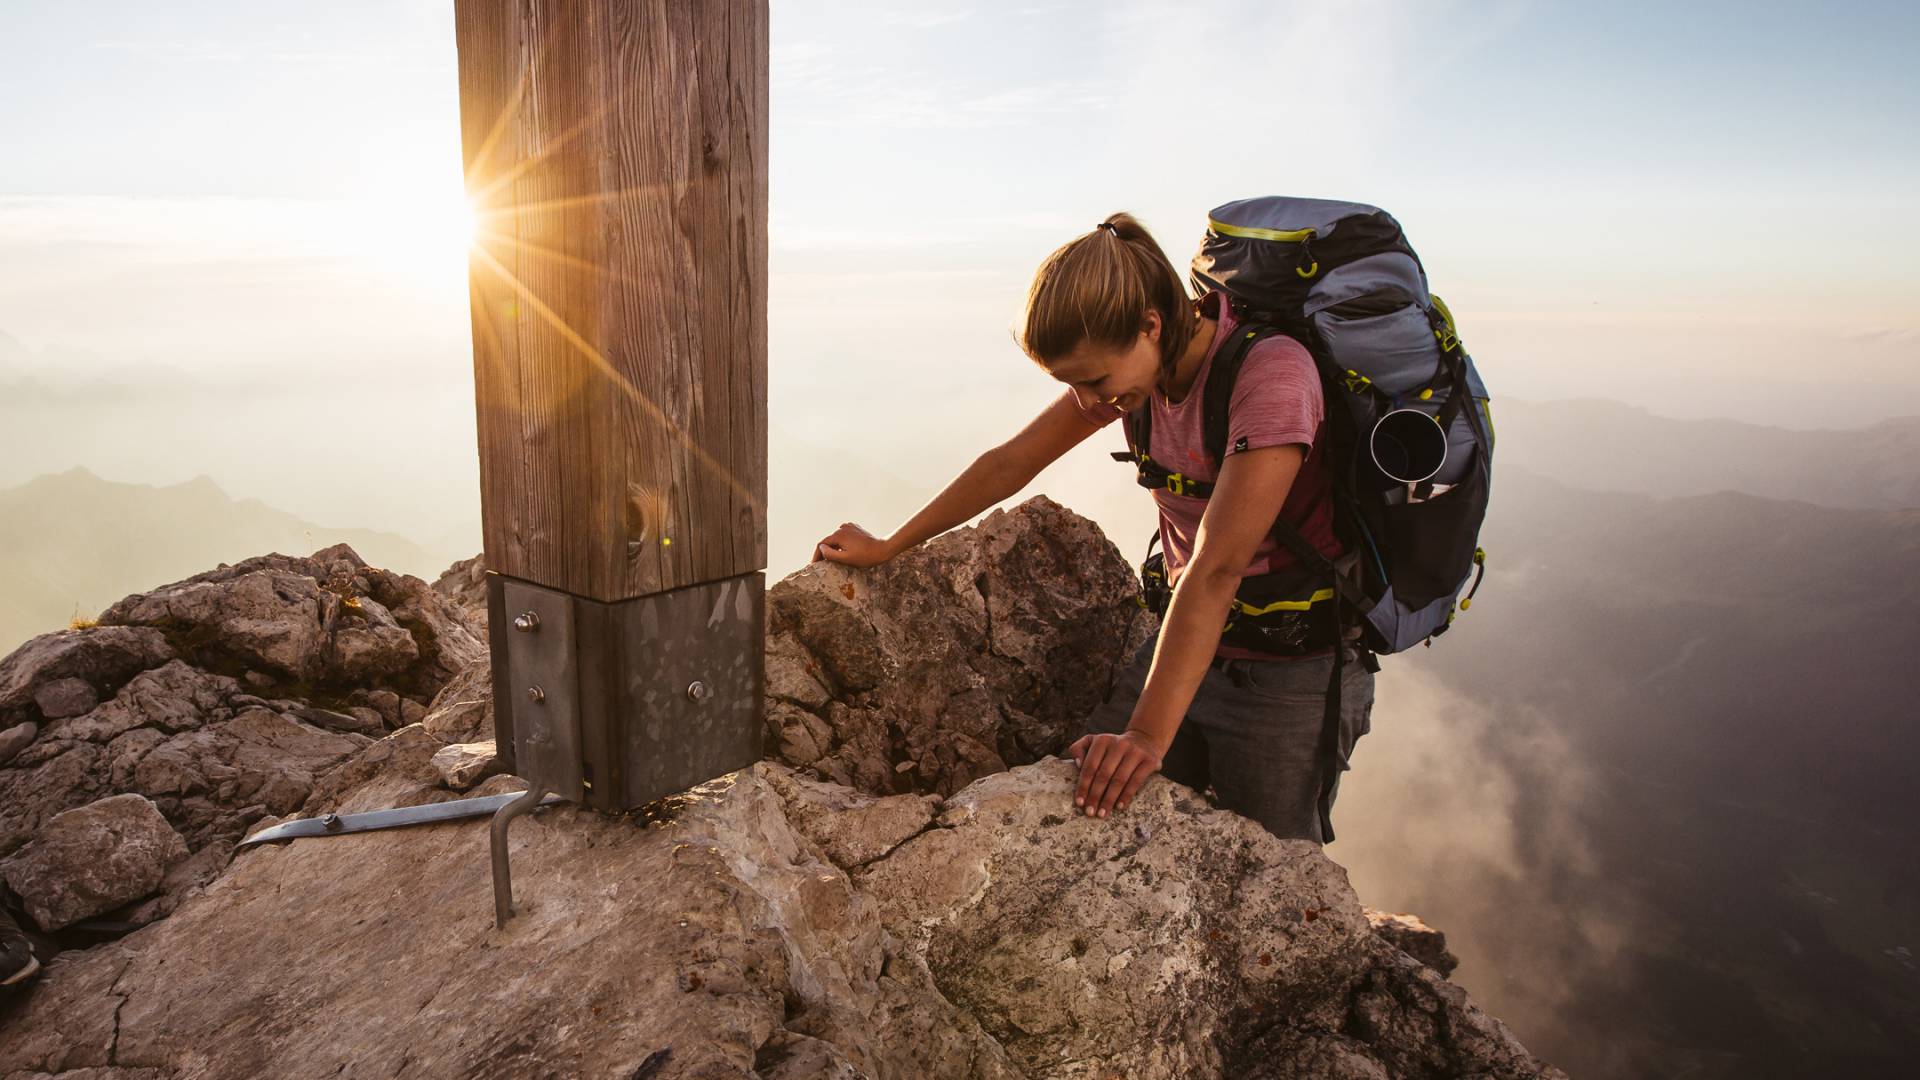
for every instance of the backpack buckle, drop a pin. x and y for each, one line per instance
(1443, 330)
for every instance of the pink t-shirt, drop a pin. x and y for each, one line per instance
(1276, 401)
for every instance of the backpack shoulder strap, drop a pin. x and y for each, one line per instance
(1220, 382)
(1219, 394)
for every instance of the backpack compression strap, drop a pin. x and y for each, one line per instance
(1152, 474)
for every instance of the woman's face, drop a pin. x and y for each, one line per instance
(1122, 377)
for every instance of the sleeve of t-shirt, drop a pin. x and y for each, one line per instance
(1099, 414)
(1277, 398)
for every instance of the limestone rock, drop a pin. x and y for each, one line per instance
(65, 697)
(324, 621)
(272, 619)
(983, 648)
(182, 880)
(354, 721)
(212, 758)
(260, 757)
(1407, 1021)
(851, 829)
(698, 938)
(16, 738)
(501, 784)
(719, 935)
(395, 771)
(462, 765)
(46, 778)
(223, 697)
(1054, 927)
(103, 656)
(1415, 938)
(463, 710)
(173, 697)
(465, 583)
(93, 859)
(387, 704)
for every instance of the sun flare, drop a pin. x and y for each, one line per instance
(420, 236)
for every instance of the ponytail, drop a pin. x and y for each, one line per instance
(1099, 287)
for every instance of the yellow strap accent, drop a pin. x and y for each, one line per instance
(1451, 336)
(1291, 236)
(1309, 271)
(1426, 394)
(1283, 605)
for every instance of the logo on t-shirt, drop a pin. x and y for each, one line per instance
(1240, 443)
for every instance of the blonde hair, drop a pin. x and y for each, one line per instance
(1098, 288)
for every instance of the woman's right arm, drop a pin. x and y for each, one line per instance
(994, 476)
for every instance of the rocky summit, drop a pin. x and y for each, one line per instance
(901, 889)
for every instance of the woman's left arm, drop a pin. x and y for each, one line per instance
(1247, 497)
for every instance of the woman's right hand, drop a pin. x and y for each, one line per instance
(854, 546)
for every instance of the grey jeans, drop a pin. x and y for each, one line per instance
(1253, 734)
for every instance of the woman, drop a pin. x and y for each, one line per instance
(1108, 316)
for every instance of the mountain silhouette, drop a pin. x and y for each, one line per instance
(72, 543)
(1600, 445)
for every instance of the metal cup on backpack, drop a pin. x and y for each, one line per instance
(1407, 446)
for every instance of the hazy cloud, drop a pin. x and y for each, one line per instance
(1475, 819)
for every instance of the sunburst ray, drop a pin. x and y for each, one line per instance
(613, 375)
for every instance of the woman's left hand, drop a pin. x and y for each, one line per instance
(1112, 768)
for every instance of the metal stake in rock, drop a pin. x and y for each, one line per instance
(502, 874)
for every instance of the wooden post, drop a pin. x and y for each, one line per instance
(616, 153)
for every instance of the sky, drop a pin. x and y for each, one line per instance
(240, 225)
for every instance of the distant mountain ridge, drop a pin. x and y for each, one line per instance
(1609, 446)
(1698, 706)
(75, 542)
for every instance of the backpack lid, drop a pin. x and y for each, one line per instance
(1274, 253)
(1283, 217)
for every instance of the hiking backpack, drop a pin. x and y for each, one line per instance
(1409, 431)
(1341, 278)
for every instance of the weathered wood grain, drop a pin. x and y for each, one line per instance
(617, 152)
